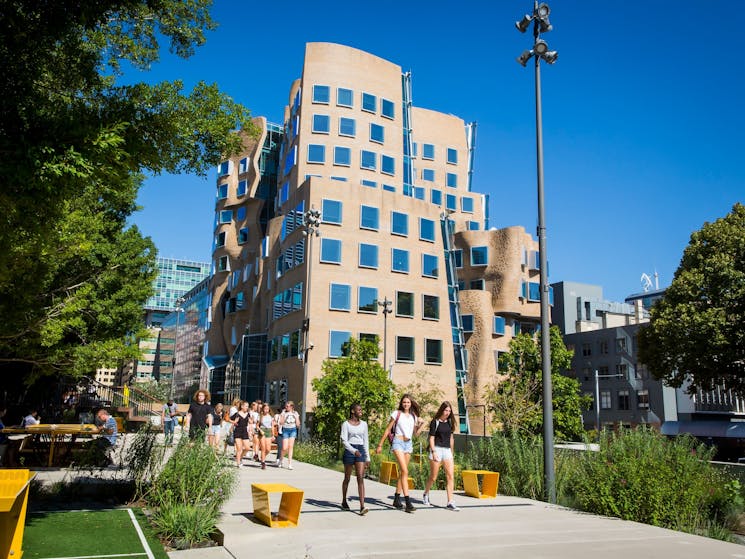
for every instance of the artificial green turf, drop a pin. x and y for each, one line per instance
(86, 533)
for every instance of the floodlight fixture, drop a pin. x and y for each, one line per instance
(550, 57)
(524, 57)
(540, 47)
(524, 23)
(541, 14)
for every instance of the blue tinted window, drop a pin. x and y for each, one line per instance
(331, 211)
(368, 256)
(534, 291)
(340, 297)
(466, 204)
(426, 229)
(369, 103)
(347, 127)
(429, 266)
(222, 191)
(342, 156)
(241, 190)
(321, 124)
(467, 320)
(479, 256)
(387, 165)
(369, 217)
(368, 160)
(400, 260)
(344, 97)
(223, 168)
(428, 175)
(316, 153)
(338, 343)
(242, 235)
(499, 325)
(452, 180)
(452, 156)
(387, 108)
(473, 226)
(367, 299)
(451, 202)
(389, 188)
(436, 197)
(377, 133)
(370, 184)
(321, 94)
(428, 151)
(290, 160)
(399, 223)
(458, 257)
(330, 251)
(226, 216)
(419, 192)
(240, 214)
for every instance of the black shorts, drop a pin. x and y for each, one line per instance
(349, 457)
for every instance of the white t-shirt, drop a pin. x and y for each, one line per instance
(405, 424)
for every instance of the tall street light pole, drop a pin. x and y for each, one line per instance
(539, 52)
(385, 304)
(312, 222)
(179, 310)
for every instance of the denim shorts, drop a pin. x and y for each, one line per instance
(350, 458)
(443, 453)
(406, 446)
(289, 433)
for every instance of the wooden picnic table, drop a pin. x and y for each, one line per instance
(55, 433)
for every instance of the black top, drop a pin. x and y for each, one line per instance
(199, 413)
(241, 426)
(441, 431)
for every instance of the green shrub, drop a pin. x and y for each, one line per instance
(315, 451)
(185, 524)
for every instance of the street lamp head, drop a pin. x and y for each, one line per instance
(543, 10)
(541, 14)
(524, 23)
(524, 57)
(551, 56)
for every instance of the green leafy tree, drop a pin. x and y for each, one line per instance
(697, 330)
(516, 401)
(356, 377)
(75, 145)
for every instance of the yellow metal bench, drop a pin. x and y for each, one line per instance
(489, 483)
(13, 502)
(289, 506)
(389, 473)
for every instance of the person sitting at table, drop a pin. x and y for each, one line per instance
(31, 419)
(107, 426)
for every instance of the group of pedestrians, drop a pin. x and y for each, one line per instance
(405, 423)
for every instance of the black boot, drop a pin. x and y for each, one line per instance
(397, 501)
(409, 506)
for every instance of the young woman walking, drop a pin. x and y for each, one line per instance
(405, 424)
(289, 422)
(266, 424)
(240, 420)
(254, 411)
(354, 437)
(441, 451)
(213, 436)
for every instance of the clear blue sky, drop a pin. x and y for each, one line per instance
(642, 115)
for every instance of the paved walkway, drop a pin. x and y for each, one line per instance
(506, 527)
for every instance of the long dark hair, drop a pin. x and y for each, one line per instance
(351, 408)
(451, 417)
(414, 405)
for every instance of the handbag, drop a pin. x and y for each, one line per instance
(230, 441)
(392, 434)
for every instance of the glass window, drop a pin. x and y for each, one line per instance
(377, 133)
(642, 398)
(404, 304)
(338, 343)
(226, 216)
(369, 217)
(368, 256)
(223, 264)
(452, 180)
(242, 187)
(368, 160)
(479, 256)
(429, 266)
(220, 240)
(387, 165)
(419, 193)
(330, 251)
(240, 213)
(222, 191)
(367, 300)
(243, 165)
(477, 285)
(331, 211)
(605, 400)
(342, 156)
(399, 223)
(400, 260)
(389, 188)
(369, 103)
(436, 197)
(344, 97)
(453, 156)
(458, 254)
(623, 400)
(321, 94)
(347, 127)
(451, 202)
(428, 151)
(431, 307)
(499, 325)
(466, 204)
(368, 183)
(433, 351)
(473, 225)
(290, 160)
(371, 338)
(405, 349)
(316, 153)
(467, 321)
(321, 124)
(340, 297)
(223, 168)
(426, 229)
(387, 108)
(428, 175)
(242, 235)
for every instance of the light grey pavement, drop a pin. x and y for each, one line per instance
(505, 527)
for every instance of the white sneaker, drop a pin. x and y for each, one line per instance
(425, 499)
(451, 506)
(289, 467)
(278, 463)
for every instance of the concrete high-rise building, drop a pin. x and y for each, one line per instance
(401, 230)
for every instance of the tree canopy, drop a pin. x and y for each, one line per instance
(356, 378)
(74, 147)
(516, 401)
(696, 333)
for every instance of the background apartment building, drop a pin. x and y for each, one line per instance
(404, 251)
